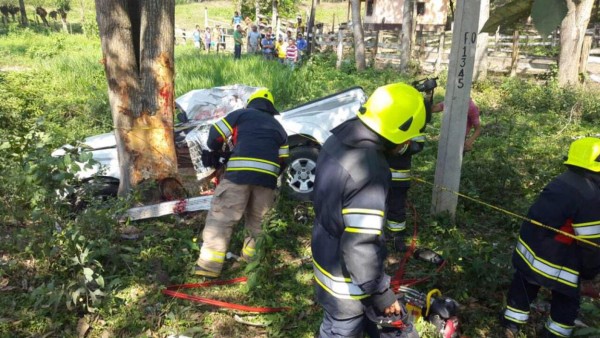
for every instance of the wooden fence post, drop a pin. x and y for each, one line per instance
(497, 42)
(585, 53)
(422, 45)
(554, 38)
(376, 47)
(333, 24)
(340, 49)
(438, 62)
(205, 17)
(515, 54)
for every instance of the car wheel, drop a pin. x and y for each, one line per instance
(101, 188)
(300, 173)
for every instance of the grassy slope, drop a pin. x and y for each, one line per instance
(527, 130)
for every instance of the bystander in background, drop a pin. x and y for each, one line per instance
(196, 37)
(473, 123)
(291, 54)
(207, 39)
(253, 40)
(237, 42)
(267, 46)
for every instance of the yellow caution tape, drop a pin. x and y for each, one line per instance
(532, 221)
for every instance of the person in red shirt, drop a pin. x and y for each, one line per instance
(473, 123)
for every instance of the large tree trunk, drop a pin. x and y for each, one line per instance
(24, 20)
(407, 24)
(572, 32)
(359, 37)
(137, 44)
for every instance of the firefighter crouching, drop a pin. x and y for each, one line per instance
(352, 181)
(249, 182)
(543, 258)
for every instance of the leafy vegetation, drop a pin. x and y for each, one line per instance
(64, 272)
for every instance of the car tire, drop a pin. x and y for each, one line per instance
(299, 176)
(101, 188)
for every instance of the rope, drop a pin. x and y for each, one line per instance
(172, 291)
(398, 280)
(510, 213)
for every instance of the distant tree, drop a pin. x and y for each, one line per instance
(137, 38)
(274, 14)
(407, 28)
(5, 13)
(62, 8)
(359, 36)
(572, 32)
(283, 8)
(572, 15)
(24, 20)
(41, 12)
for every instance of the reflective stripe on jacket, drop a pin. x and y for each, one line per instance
(570, 203)
(400, 164)
(352, 179)
(259, 144)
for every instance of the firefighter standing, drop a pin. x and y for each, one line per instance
(543, 258)
(352, 181)
(400, 165)
(249, 182)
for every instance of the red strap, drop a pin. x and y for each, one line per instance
(568, 228)
(234, 135)
(398, 279)
(169, 291)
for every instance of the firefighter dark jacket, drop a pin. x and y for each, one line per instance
(352, 180)
(571, 202)
(259, 144)
(400, 163)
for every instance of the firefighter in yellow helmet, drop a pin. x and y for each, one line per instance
(248, 185)
(543, 258)
(351, 184)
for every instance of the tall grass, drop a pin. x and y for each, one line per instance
(59, 92)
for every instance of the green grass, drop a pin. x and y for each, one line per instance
(58, 94)
(187, 16)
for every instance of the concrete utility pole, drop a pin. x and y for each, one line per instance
(456, 104)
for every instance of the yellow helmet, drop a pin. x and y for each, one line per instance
(262, 93)
(395, 111)
(585, 153)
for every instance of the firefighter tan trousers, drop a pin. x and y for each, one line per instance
(230, 202)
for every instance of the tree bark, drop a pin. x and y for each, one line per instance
(82, 11)
(359, 37)
(481, 62)
(24, 21)
(407, 23)
(572, 33)
(137, 40)
(310, 28)
(63, 19)
(275, 19)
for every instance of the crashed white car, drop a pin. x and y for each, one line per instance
(307, 126)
